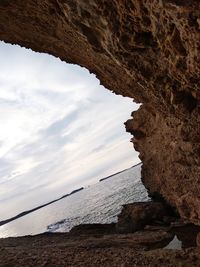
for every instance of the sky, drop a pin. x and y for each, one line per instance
(60, 129)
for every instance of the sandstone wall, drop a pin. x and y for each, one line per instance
(147, 50)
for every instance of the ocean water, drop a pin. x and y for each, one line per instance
(99, 203)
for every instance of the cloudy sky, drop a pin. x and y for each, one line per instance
(59, 129)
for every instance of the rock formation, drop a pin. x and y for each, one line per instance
(147, 50)
(135, 216)
(61, 250)
(102, 244)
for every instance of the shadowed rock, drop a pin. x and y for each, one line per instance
(136, 216)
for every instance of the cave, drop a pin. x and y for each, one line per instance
(146, 50)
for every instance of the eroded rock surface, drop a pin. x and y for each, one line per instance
(136, 216)
(103, 245)
(95, 250)
(147, 50)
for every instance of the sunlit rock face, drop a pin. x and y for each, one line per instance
(147, 50)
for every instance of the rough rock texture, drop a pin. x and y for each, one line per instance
(170, 150)
(95, 228)
(102, 250)
(102, 244)
(147, 50)
(136, 216)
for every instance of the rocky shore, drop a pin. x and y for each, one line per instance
(143, 236)
(146, 50)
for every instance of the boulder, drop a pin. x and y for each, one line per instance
(136, 216)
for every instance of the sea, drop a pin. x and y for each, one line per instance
(98, 203)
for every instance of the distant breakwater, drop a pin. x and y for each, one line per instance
(105, 178)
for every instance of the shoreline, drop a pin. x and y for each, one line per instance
(106, 245)
(107, 177)
(26, 212)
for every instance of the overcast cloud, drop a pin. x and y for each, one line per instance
(60, 129)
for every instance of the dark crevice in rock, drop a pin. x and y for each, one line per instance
(156, 197)
(186, 100)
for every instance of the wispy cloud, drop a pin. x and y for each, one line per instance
(59, 129)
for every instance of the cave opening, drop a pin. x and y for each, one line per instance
(145, 50)
(62, 129)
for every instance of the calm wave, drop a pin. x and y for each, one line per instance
(99, 203)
